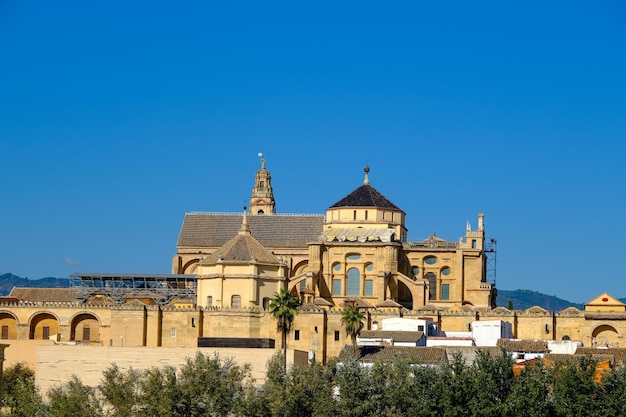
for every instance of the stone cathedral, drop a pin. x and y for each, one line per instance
(227, 267)
(356, 253)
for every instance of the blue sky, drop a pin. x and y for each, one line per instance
(117, 118)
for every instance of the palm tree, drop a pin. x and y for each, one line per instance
(284, 308)
(352, 319)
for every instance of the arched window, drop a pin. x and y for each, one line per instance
(432, 285)
(353, 286)
(235, 301)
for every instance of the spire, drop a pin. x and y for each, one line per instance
(366, 181)
(244, 229)
(262, 200)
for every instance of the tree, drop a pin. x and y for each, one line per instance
(73, 399)
(161, 393)
(352, 319)
(121, 391)
(20, 396)
(283, 308)
(211, 386)
(510, 305)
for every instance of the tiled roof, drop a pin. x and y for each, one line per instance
(395, 335)
(319, 301)
(5, 299)
(523, 345)
(573, 359)
(618, 353)
(470, 353)
(357, 302)
(365, 196)
(242, 248)
(388, 303)
(417, 354)
(42, 294)
(272, 231)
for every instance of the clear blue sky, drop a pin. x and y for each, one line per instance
(117, 118)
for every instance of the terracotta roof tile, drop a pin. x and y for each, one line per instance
(272, 231)
(42, 294)
(371, 354)
(618, 353)
(395, 335)
(524, 345)
(242, 248)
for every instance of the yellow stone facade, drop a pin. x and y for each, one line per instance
(357, 253)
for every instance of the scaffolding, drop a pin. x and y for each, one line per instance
(119, 288)
(490, 254)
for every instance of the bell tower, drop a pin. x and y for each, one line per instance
(262, 200)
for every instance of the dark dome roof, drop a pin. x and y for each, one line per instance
(365, 196)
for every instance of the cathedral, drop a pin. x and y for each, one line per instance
(227, 267)
(356, 253)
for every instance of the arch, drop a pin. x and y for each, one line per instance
(8, 325)
(404, 296)
(295, 283)
(298, 268)
(605, 335)
(188, 265)
(294, 292)
(84, 327)
(432, 285)
(43, 325)
(353, 282)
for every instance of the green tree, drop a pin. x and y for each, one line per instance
(612, 399)
(575, 392)
(531, 392)
(20, 396)
(160, 393)
(121, 391)
(352, 320)
(493, 377)
(457, 378)
(73, 399)
(353, 385)
(284, 307)
(510, 305)
(210, 386)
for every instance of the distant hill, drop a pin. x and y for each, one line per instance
(523, 299)
(8, 281)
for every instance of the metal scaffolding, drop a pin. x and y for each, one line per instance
(490, 254)
(120, 287)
